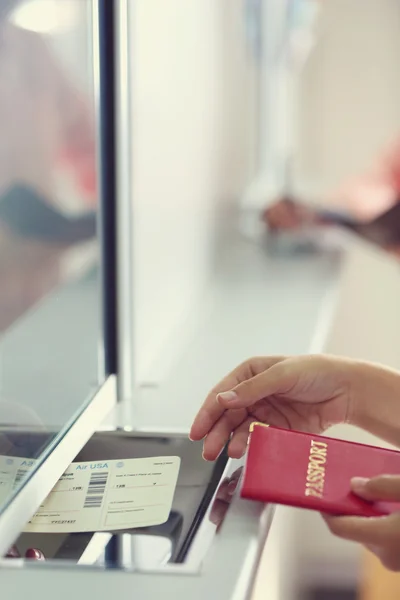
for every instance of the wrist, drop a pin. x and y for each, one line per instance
(374, 403)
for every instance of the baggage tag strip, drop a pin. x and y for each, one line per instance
(101, 496)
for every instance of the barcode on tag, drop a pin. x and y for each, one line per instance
(96, 489)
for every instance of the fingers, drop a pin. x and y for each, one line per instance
(238, 444)
(221, 432)
(272, 381)
(212, 411)
(218, 437)
(384, 488)
(375, 531)
(287, 215)
(381, 535)
(370, 531)
(283, 215)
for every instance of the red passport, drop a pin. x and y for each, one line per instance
(313, 471)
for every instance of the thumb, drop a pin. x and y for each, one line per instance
(383, 487)
(274, 380)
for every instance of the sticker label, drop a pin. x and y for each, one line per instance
(101, 496)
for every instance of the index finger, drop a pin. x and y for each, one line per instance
(211, 410)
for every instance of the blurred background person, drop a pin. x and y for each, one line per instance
(47, 126)
(344, 125)
(362, 199)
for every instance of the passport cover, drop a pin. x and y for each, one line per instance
(313, 471)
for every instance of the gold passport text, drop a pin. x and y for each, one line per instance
(315, 479)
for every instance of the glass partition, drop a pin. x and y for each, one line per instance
(191, 155)
(50, 293)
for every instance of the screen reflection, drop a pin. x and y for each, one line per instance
(223, 498)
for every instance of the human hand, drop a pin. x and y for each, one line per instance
(381, 535)
(307, 393)
(288, 215)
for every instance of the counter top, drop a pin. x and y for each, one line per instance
(259, 305)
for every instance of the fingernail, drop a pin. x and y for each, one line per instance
(358, 483)
(227, 396)
(192, 438)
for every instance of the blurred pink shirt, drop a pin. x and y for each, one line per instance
(43, 119)
(375, 191)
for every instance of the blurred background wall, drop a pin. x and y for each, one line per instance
(192, 155)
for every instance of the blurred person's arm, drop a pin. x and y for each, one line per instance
(375, 191)
(362, 198)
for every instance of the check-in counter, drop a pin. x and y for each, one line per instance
(66, 379)
(208, 547)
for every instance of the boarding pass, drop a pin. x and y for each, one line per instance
(100, 496)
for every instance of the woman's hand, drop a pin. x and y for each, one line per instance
(305, 393)
(381, 535)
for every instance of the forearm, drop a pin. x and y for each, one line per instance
(373, 191)
(366, 197)
(375, 402)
